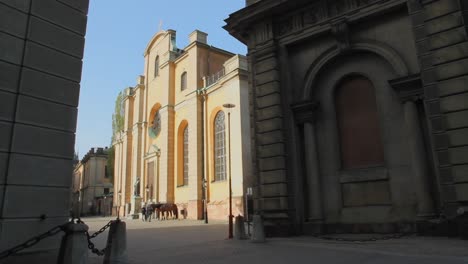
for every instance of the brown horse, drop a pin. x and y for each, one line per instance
(164, 210)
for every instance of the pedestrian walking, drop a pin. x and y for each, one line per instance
(149, 212)
(143, 213)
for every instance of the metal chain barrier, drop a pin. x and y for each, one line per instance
(91, 245)
(33, 241)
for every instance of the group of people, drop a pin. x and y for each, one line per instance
(146, 212)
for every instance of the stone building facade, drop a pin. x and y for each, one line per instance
(360, 112)
(91, 185)
(174, 147)
(41, 51)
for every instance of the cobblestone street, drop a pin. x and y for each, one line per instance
(188, 241)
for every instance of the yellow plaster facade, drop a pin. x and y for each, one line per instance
(168, 142)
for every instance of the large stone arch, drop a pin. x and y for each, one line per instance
(381, 49)
(324, 76)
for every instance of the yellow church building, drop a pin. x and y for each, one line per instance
(174, 146)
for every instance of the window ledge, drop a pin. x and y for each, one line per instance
(182, 186)
(364, 175)
(219, 181)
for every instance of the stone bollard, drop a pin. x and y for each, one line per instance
(116, 248)
(239, 228)
(74, 246)
(258, 232)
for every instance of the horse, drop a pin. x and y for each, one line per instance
(164, 210)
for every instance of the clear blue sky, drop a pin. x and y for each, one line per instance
(118, 32)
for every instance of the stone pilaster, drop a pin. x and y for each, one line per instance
(440, 30)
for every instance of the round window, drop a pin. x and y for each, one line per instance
(155, 127)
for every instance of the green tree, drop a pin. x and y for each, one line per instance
(117, 125)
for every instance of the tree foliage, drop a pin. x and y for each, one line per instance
(118, 116)
(110, 163)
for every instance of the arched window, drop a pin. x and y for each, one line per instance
(155, 126)
(220, 147)
(186, 161)
(156, 66)
(183, 81)
(358, 123)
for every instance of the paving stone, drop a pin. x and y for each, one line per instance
(7, 106)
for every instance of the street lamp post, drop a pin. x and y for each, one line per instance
(205, 204)
(229, 106)
(120, 202)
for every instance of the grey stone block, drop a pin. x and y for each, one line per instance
(267, 88)
(51, 61)
(456, 119)
(439, 8)
(266, 65)
(81, 5)
(20, 4)
(272, 150)
(19, 197)
(269, 113)
(366, 193)
(459, 155)
(458, 137)
(265, 77)
(447, 38)
(60, 14)
(270, 137)
(453, 69)
(454, 103)
(7, 106)
(462, 191)
(274, 190)
(42, 141)
(16, 231)
(3, 166)
(268, 100)
(51, 88)
(444, 23)
(437, 124)
(5, 135)
(276, 176)
(47, 114)
(34, 170)
(56, 37)
(275, 163)
(12, 21)
(9, 76)
(448, 193)
(414, 5)
(452, 86)
(460, 173)
(11, 48)
(450, 53)
(269, 125)
(279, 203)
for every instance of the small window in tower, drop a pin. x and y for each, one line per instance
(183, 81)
(156, 66)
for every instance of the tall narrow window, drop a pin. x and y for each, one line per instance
(358, 122)
(183, 81)
(220, 147)
(186, 161)
(156, 66)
